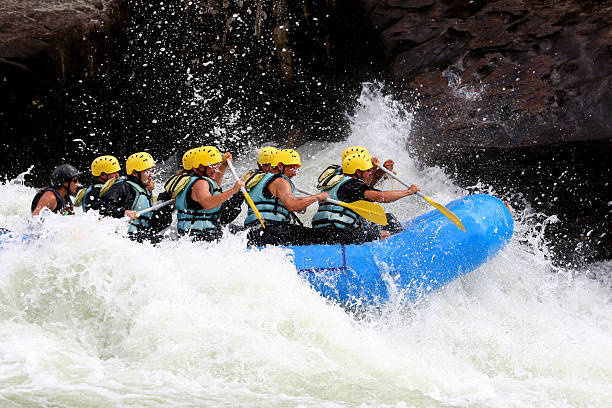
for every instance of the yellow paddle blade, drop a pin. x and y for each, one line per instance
(255, 210)
(78, 200)
(447, 213)
(368, 210)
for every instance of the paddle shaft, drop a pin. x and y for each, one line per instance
(366, 209)
(390, 173)
(233, 170)
(154, 207)
(445, 211)
(330, 200)
(246, 195)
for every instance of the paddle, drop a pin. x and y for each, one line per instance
(368, 210)
(154, 207)
(246, 195)
(447, 213)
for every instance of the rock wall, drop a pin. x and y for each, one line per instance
(515, 94)
(45, 46)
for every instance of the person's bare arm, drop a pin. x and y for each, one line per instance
(280, 188)
(200, 193)
(46, 200)
(389, 196)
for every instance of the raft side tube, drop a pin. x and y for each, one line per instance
(428, 254)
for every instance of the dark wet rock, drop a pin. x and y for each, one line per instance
(45, 46)
(513, 93)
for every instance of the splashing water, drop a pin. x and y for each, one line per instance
(90, 318)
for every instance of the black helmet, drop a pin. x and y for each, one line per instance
(63, 172)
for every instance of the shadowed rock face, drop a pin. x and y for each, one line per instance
(45, 46)
(516, 94)
(502, 73)
(167, 76)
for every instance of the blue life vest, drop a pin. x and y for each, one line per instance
(192, 218)
(143, 200)
(64, 205)
(271, 209)
(93, 198)
(335, 215)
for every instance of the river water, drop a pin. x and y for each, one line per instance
(89, 318)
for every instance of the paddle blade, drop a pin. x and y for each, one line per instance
(368, 210)
(255, 210)
(447, 213)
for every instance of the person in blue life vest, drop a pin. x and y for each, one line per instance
(64, 183)
(264, 160)
(340, 225)
(202, 207)
(128, 195)
(274, 197)
(335, 170)
(103, 168)
(177, 181)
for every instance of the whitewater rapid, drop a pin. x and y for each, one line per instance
(89, 318)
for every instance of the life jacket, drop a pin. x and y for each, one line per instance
(89, 197)
(335, 215)
(192, 218)
(271, 209)
(331, 176)
(64, 205)
(143, 200)
(252, 178)
(176, 183)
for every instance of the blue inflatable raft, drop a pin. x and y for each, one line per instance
(429, 253)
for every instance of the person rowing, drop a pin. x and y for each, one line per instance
(126, 197)
(274, 197)
(64, 183)
(264, 166)
(341, 225)
(335, 170)
(103, 168)
(202, 207)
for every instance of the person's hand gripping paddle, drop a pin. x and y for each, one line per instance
(447, 213)
(246, 195)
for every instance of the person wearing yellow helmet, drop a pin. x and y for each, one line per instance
(56, 197)
(134, 193)
(333, 173)
(178, 181)
(274, 198)
(203, 208)
(103, 168)
(341, 225)
(264, 158)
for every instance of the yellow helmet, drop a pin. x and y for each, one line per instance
(355, 149)
(356, 161)
(206, 155)
(265, 154)
(105, 164)
(140, 161)
(287, 157)
(188, 158)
